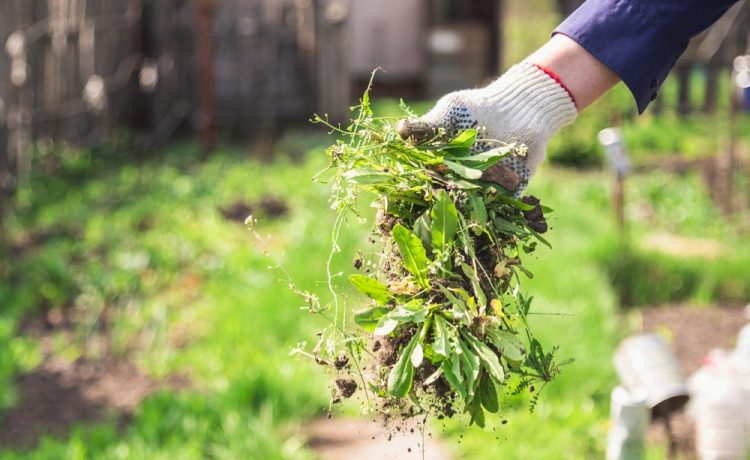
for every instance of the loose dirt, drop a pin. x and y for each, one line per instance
(59, 393)
(349, 438)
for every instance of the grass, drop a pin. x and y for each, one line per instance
(146, 243)
(185, 291)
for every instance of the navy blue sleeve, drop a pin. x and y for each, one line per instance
(640, 40)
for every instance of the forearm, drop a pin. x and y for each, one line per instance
(583, 75)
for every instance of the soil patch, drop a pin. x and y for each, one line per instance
(694, 332)
(348, 438)
(266, 206)
(60, 394)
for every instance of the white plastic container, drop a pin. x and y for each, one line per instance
(740, 361)
(628, 418)
(721, 431)
(645, 363)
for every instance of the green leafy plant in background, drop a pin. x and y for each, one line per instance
(446, 320)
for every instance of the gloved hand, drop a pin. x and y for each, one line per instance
(526, 105)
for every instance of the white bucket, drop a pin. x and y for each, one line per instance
(721, 431)
(743, 341)
(628, 418)
(645, 363)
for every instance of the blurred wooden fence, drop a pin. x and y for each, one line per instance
(74, 70)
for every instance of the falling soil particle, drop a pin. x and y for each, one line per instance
(346, 439)
(341, 362)
(346, 387)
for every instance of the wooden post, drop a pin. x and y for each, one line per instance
(618, 203)
(204, 13)
(334, 81)
(619, 162)
(683, 94)
(709, 103)
(499, 33)
(727, 161)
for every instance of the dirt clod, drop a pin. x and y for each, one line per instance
(341, 361)
(346, 387)
(535, 217)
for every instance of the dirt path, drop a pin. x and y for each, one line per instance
(351, 438)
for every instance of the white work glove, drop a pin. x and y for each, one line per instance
(526, 106)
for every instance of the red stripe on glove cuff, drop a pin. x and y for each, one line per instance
(554, 76)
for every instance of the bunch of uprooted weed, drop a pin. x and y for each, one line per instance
(446, 321)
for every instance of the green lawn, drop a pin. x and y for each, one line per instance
(145, 243)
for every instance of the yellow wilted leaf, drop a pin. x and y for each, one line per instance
(404, 286)
(501, 269)
(497, 307)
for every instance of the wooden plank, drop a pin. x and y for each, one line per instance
(683, 92)
(334, 87)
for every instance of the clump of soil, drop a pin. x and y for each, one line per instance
(346, 387)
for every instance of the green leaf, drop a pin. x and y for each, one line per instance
(402, 374)
(515, 203)
(509, 344)
(463, 171)
(460, 310)
(482, 161)
(487, 357)
(367, 176)
(422, 230)
(506, 227)
(477, 210)
(465, 138)
(471, 365)
(368, 318)
(444, 221)
(488, 394)
(475, 285)
(412, 252)
(440, 343)
(385, 326)
(540, 238)
(371, 287)
(452, 371)
(464, 185)
(417, 355)
(476, 412)
(414, 311)
(460, 146)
